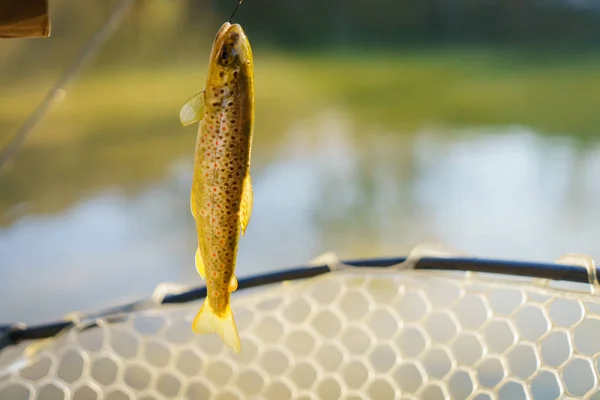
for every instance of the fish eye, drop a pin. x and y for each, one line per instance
(227, 56)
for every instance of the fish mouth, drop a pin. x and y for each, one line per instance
(222, 31)
(233, 37)
(240, 42)
(231, 33)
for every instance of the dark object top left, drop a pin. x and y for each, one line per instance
(24, 19)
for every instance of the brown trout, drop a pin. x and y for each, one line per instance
(221, 196)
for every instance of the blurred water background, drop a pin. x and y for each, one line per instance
(380, 125)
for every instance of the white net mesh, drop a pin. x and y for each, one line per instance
(349, 334)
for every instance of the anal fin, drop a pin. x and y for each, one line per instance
(199, 264)
(233, 284)
(247, 203)
(192, 204)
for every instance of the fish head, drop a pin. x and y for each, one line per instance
(230, 53)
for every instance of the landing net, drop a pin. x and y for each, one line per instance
(354, 333)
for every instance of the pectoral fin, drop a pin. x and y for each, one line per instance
(200, 264)
(193, 110)
(247, 202)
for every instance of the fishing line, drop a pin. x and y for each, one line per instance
(56, 92)
(234, 10)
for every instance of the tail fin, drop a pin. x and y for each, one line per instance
(208, 322)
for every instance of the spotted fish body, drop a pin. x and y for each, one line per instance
(221, 196)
